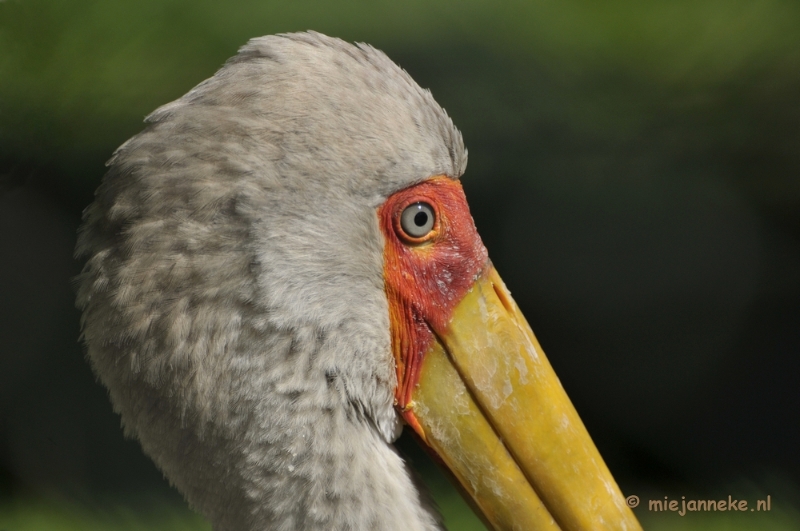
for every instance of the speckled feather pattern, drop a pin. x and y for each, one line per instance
(233, 293)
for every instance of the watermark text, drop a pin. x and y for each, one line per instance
(683, 505)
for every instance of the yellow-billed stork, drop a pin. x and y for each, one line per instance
(282, 272)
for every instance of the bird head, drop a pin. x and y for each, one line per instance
(282, 272)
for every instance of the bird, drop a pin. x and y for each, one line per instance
(282, 274)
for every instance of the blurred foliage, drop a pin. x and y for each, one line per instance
(614, 105)
(49, 515)
(39, 515)
(132, 514)
(77, 76)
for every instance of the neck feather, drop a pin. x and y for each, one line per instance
(276, 440)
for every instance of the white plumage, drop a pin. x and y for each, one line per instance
(233, 296)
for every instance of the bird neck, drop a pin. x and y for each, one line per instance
(271, 446)
(348, 477)
(330, 474)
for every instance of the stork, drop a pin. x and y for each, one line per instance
(282, 272)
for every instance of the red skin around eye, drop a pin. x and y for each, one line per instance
(426, 277)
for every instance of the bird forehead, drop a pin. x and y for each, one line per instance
(316, 111)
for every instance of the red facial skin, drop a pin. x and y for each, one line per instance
(426, 277)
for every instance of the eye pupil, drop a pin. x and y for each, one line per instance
(417, 220)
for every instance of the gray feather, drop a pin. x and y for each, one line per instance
(233, 297)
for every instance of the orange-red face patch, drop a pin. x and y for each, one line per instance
(429, 265)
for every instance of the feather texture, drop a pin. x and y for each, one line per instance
(233, 293)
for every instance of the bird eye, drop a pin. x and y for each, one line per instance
(417, 219)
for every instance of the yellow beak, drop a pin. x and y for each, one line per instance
(489, 404)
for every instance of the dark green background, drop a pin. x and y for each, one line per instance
(634, 172)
